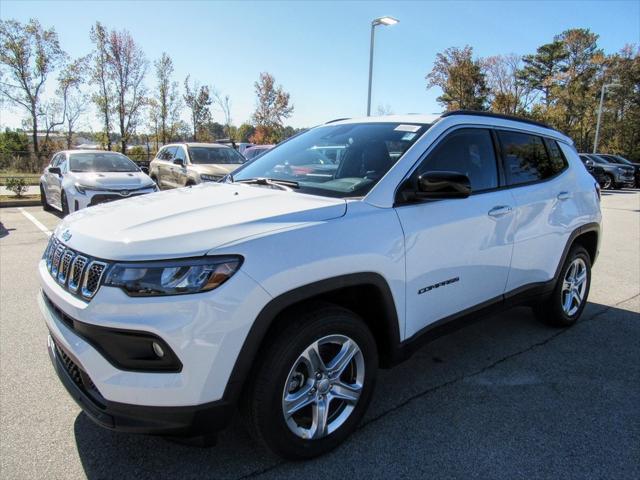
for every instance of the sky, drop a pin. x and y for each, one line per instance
(319, 51)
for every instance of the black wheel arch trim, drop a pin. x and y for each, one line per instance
(270, 312)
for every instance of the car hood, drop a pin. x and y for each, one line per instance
(190, 221)
(216, 169)
(112, 180)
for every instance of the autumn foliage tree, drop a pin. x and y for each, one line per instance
(461, 79)
(29, 53)
(198, 100)
(273, 106)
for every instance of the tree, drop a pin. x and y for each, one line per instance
(508, 93)
(384, 110)
(245, 132)
(461, 79)
(127, 67)
(541, 70)
(224, 104)
(104, 96)
(272, 108)
(198, 100)
(167, 99)
(28, 55)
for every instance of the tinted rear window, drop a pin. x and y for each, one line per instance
(525, 158)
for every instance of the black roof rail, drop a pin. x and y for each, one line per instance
(496, 115)
(336, 120)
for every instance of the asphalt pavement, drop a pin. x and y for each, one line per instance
(506, 397)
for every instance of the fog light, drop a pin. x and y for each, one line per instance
(157, 349)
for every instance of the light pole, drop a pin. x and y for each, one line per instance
(378, 21)
(604, 87)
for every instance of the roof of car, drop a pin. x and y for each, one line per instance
(489, 118)
(199, 144)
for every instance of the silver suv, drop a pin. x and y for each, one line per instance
(184, 164)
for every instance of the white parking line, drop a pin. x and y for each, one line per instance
(35, 221)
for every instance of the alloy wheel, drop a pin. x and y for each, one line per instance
(574, 287)
(323, 387)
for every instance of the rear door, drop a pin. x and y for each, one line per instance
(536, 172)
(457, 250)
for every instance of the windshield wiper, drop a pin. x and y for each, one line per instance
(269, 182)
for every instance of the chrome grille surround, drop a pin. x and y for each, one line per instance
(79, 274)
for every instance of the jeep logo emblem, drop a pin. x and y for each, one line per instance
(66, 235)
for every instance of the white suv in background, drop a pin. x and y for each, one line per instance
(284, 288)
(77, 179)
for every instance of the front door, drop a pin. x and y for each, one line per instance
(458, 251)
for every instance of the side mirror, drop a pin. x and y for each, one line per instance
(179, 161)
(588, 163)
(55, 171)
(443, 185)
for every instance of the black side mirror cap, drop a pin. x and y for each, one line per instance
(55, 170)
(179, 161)
(435, 185)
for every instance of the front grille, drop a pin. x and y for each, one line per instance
(79, 274)
(109, 197)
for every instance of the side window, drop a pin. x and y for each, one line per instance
(525, 158)
(64, 164)
(56, 159)
(469, 151)
(160, 153)
(167, 153)
(179, 154)
(558, 162)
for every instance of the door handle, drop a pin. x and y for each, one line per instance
(500, 211)
(564, 196)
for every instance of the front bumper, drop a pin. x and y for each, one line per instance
(170, 421)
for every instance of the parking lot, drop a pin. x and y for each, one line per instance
(505, 397)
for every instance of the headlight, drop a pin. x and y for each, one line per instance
(172, 277)
(210, 178)
(81, 188)
(621, 170)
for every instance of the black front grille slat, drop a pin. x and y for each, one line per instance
(79, 376)
(79, 274)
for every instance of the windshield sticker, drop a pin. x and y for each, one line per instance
(407, 137)
(407, 128)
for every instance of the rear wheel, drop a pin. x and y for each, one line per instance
(313, 383)
(565, 305)
(43, 200)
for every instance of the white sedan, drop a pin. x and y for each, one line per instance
(76, 179)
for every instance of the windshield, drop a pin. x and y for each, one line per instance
(214, 155)
(101, 162)
(336, 160)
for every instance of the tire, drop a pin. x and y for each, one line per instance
(65, 205)
(43, 200)
(155, 180)
(281, 373)
(609, 182)
(557, 310)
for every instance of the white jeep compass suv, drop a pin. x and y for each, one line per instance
(284, 288)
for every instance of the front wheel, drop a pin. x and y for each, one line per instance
(313, 383)
(43, 200)
(608, 182)
(565, 305)
(65, 205)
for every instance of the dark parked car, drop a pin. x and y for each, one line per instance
(616, 176)
(623, 161)
(595, 171)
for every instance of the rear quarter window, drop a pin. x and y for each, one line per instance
(526, 158)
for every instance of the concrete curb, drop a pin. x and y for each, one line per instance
(20, 203)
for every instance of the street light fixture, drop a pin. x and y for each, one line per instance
(385, 21)
(604, 87)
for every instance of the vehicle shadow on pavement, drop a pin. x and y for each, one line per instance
(502, 398)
